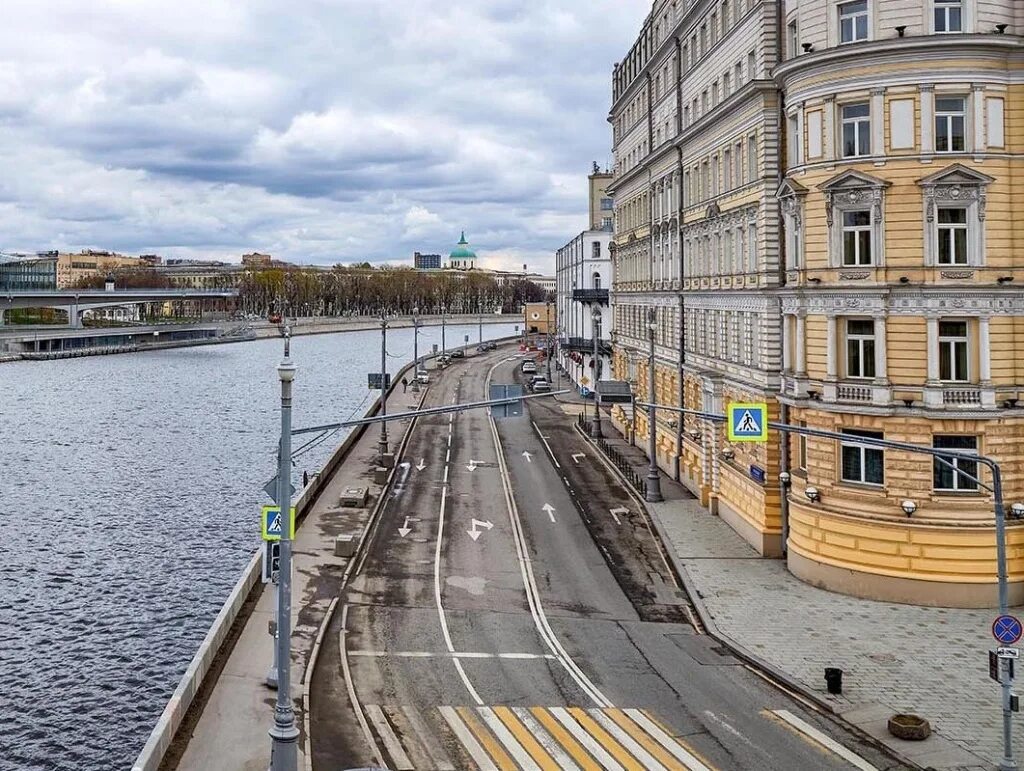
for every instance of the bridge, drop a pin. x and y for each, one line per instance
(77, 301)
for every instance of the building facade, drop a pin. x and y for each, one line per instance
(696, 128)
(89, 263)
(21, 273)
(602, 208)
(583, 281)
(814, 199)
(426, 261)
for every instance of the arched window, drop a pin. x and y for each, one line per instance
(597, 280)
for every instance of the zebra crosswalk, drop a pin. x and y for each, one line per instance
(499, 738)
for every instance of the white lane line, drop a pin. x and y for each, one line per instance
(675, 748)
(437, 599)
(632, 745)
(546, 445)
(468, 741)
(446, 474)
(515, 749)
(444, 654)
(526, 656)
(350, 686)
(824, 740)
(546, 740)
(391, 744)
(448, 455)
(438, 757)
(606, 761)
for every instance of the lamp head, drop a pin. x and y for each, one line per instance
(785, 478)
(812, 494)
(1017, 510)
(908, 506)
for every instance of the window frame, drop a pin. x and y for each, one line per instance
(868, 229)
(853, 17)
(862, 457)
(866, 344)
(944, 7)
(960, 484)
(950, 343)
(860, 123)
(945, 118)
(953, 228)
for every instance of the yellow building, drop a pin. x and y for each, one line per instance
(72, 268)
(540, 318)
(876, 289)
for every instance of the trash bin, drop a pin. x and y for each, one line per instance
(834, 680)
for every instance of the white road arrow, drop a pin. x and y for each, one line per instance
(576, 457)
(405, 529)
(529, 458)
(421, 465)
(474, 533)
(615, 514)
(550, 510)
(473, 464)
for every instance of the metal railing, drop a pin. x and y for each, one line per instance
(614, 457)
(590, 295)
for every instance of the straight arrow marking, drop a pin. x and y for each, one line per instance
(474, 532)
(405, 529)
(547, 507)
(529, 458)
(421, 465)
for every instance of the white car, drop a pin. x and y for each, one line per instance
(423, 377)
(529, 367)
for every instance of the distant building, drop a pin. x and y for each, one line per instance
(21, 273)
(583, 271)
(462, 257)
(257, 260)
(88, 263)
(540, 318)
(426, 261)
(601, 211)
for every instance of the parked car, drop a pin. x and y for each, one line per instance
(423, 377)
(458, 353)
(444, 359)
(529, 367)
(491, 345)
(540, 385)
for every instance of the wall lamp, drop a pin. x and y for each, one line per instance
(900, 30)
(1017, 511)
(1004, 279)
(694, 434)
(728, 453)
(908, 506)
(1001, 28)
(904, 280)
(785, 478)
(812, 494)
(814, 280)
(808, 47)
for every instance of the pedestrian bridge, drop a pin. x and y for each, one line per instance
(77, 301)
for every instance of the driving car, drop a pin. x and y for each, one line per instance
(529, 367)
(540, 385)
(458, 353)
(423, 377)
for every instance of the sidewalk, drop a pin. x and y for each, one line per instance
(896, 658)
(231, 732)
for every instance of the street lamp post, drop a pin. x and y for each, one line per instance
(383, 384)
(547, 331)
(416, 350)
(595, 321)
(653, 494)
(284, 734)
(444, 345)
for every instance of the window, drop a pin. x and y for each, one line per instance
(949, 125)
(853, 21)
(953, 351)
(751, 65)
(739, 74)
(945, 478)
(857, 237)
(752, 158)
(597, 276)
(793, 36)
(726, 85)
(856, 130)
(861, 463)
(949, 16)
(801, 452)
(606, 223)
(686, 115)
(606, 204)
(726, 169)
(704, 102)
(952, 241)
(860, 348)
(595, 250)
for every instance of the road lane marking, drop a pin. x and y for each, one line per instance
(527, 739)
(506, 737)
(565, 739)
(550, 511)
(387, 735)
(824, 740)
(615, 513)
(438, 757)
(676, 746)
(528, 456)
(550, 744)
(609, 755)
(505, 763)
(449, 654)
(466, 738)
(640, 737)
(546, 445)
(350, 686)
(592, 729)
(577, 455)
(647, 761)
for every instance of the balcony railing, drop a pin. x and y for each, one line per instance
(853, 393)
(590, 296)
(971, 396)
(586, 344)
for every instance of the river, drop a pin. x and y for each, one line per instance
(131, 485)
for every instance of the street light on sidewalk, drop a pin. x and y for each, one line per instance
(383, 445)
(653, 493)
(595, 323)
(284, 734)
(416, 350)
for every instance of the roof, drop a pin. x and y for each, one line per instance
(462, 250)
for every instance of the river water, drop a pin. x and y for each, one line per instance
(130, 488)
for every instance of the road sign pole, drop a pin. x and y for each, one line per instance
(596, 431)
(1007, 763)
(284, 733)
(271, 680)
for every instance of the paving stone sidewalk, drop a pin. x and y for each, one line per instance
(896, 658)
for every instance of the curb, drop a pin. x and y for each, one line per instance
(779, 677)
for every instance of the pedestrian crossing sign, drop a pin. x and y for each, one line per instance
(748, 422)
(270, 523)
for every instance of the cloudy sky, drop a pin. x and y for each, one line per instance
(316, 130)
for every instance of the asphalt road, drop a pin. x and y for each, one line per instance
(513, 610)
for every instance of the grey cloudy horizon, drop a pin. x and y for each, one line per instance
(318, 131)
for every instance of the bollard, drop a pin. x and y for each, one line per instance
(834, 680)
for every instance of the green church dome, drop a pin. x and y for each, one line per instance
(462, 251)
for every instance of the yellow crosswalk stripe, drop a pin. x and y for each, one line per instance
(530, 744)
(602, 736)
(642, 738)
(564, 738)
(493, 747)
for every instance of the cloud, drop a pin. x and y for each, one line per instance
(319, 131)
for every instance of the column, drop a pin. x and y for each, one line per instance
(800, 155)
(878, 123)
(933, 350)
(984, 351)
(787, 345)
(801, 344)
(978, 138)
(927, 119)
(829, 114)
(881, 368)
(831, 342)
